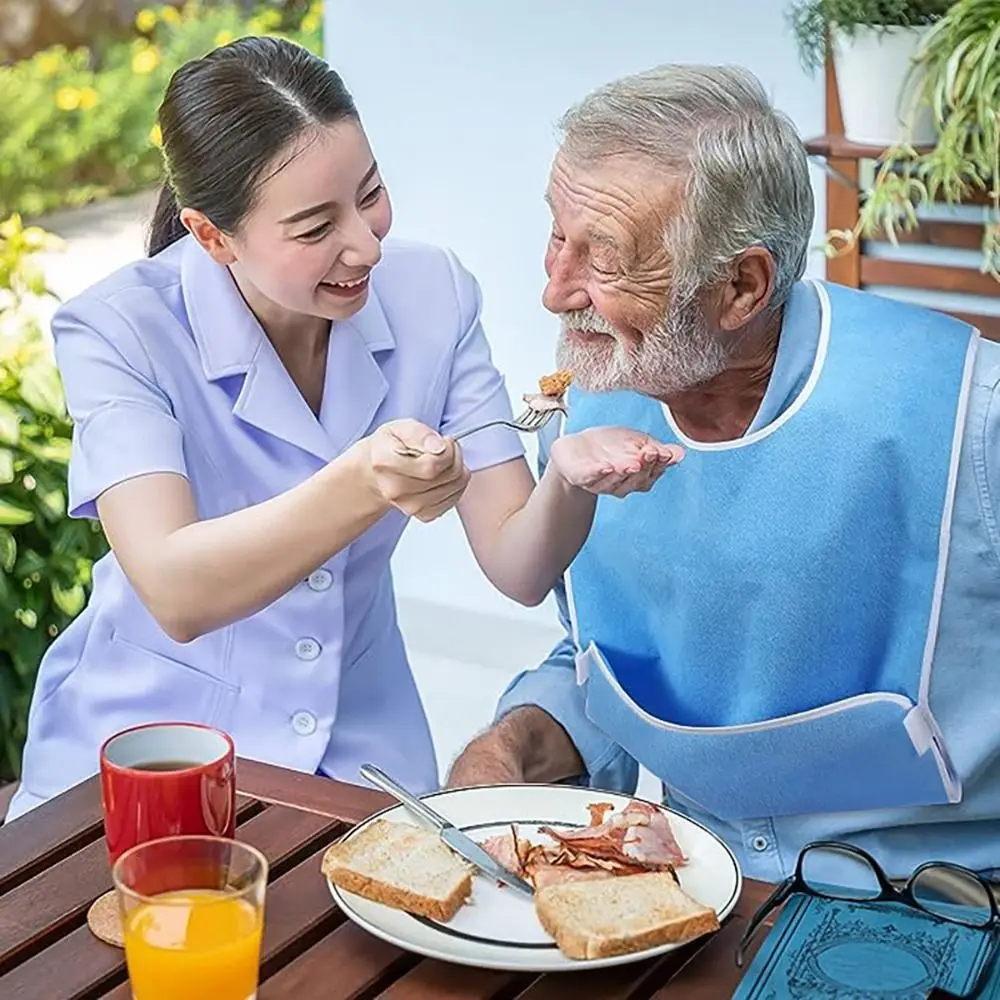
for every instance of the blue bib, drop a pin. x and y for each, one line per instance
(758, 630)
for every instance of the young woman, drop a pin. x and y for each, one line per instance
(243, 401)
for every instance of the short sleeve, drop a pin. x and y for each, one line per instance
(123, 424)
(477, 392)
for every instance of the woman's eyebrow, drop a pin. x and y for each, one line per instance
(325, 206)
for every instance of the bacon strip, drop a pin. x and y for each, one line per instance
(638, 839)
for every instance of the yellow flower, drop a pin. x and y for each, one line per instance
(155, 135)
(312, 22)
(67, 98)
(145, 61)
(48, 63)
(88, 98)
(170, 15)
(224, 37)
(145, 20)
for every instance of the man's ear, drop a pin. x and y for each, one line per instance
(208, 234)
(747, 290)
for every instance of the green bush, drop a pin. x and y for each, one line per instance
(79, 125)
(45, 558)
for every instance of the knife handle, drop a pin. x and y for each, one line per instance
(378, 777)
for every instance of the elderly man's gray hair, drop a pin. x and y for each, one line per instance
(745, 164)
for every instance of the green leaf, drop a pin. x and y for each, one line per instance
(54, 503)
(10, 430)
(42, 390)
(11, 515)
(6, 466)
(56, 449)
(8, 550)
(69, 600)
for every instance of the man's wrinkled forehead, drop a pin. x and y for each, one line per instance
(620, 196)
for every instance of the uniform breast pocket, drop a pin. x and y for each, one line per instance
(159, 680)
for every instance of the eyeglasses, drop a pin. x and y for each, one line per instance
(942, 890)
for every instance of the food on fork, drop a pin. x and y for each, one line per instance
(402, 866)
(635, 840)
(552, 388)
(555, 384)
(619, 916)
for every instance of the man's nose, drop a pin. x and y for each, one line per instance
(566, 288)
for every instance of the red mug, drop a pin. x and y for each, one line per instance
(167, 779)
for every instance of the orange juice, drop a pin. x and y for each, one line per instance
(199, 945)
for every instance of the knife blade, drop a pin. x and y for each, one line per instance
(461, 843)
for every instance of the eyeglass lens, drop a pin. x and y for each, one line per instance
(840, 874)
(953, 895)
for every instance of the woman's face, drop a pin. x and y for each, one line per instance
(310, 241)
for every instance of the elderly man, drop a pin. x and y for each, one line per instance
(799, 630)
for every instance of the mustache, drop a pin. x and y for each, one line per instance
(587, 321)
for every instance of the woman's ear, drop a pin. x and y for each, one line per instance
(211, 238)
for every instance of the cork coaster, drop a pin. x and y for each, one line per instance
(105, 921)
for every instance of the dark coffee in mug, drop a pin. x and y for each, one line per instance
(168, 765)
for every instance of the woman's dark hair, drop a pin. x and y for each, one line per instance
(224, 119)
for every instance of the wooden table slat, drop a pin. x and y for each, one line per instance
(308, 792)
(50, 832)
(364, 966)
(78, 966)
(712, 972)
(617, 983)
(444, 981)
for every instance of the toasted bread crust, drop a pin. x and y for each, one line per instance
(559, 907)
(582, 946)
(398, 898)
(339, 865)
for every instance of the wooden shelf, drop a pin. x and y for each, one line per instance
(858, 268)
(838, 146)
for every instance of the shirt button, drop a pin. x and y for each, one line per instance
(321, 579)
(307, 649)
(759, 843)
(304, 723)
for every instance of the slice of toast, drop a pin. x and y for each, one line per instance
(403, 866)
(618, 916)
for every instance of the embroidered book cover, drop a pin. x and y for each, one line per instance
(823, 949)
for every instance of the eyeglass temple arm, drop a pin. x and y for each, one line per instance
(777, 897)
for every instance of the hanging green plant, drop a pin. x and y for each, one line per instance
(956, 70)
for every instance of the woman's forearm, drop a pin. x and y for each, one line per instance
(208, 574)
(533, 546)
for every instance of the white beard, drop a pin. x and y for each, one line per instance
(678, 353)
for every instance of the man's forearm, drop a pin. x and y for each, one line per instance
(544, 749)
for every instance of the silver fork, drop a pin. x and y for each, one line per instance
(529, 422)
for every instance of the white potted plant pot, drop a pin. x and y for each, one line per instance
(871, 69)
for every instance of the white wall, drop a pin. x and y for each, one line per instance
(459, 98)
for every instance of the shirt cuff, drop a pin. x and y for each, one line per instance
(555, 691)
(120, 442)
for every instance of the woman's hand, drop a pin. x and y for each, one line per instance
(613, 460)
(424, 487)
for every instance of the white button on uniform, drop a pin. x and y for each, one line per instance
(320, 580)
(759, 843)
(307, 649)
(304, 723)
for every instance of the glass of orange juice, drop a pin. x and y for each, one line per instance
(193, 912)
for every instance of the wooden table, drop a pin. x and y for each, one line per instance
(53, 865)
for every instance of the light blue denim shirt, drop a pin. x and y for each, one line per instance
(968, 833)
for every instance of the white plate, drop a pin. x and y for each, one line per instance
(497, 928)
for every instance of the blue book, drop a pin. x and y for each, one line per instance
(822, 949)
